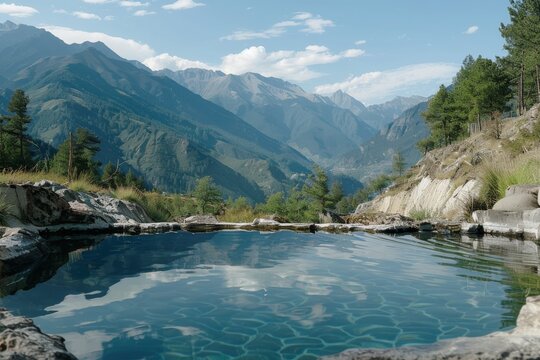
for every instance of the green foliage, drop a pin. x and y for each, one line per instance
(499, 175)
(75, 156)
(274, 205)
(522, 36)
(398, 163)
(14, 140)
(420, 214)
(481, 88)
(207, 196)
(316, 190)
(425, 145)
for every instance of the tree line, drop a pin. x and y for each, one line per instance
(483, 88)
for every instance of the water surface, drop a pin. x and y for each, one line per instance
(275, 295)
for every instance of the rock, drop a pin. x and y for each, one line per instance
(279, 219)
(20, 338)
(201, 219)
(18, 249)
(425, 226)
(517, 202)
(467, 228)
(510, 223)
(521, 343)
(522, 189)
(265, 222)
(376, 218)
(328, 217)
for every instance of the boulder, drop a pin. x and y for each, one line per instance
(517, 202)
(201, 219)
(328, 217)
(18, 249)
(20, 338)
(376, 218)
(522, 189)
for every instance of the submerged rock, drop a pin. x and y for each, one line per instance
(20, 338)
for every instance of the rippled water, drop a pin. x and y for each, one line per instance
(274, 295)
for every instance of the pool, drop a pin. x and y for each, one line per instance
(281, 295)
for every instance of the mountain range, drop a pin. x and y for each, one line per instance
(253, 134)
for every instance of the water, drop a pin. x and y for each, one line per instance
(272, 295)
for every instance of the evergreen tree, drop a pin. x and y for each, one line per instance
(108, 176)
(398, 163)
(275, 204)
(75, 156)
(207, 196)
(336, 194)
(438, 117)
(133, 181)
(316, 189)
(522, 36)
(18, 125)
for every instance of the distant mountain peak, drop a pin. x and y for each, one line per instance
(8, 26)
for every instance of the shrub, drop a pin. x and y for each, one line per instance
(420, 214)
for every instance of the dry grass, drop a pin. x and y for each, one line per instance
(239, 216)
(21, 177)
(505, 171)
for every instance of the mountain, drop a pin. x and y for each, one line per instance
(377, 116)
(152, 124)
(375, 157)
(312, 124)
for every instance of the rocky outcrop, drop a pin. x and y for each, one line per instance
(21, 339)
(439, 198)
(329, 217)
(521, 343)
(517, 214)
(47, 204)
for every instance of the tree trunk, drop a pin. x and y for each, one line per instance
(522, 108)
(538, 81)
(70, 158)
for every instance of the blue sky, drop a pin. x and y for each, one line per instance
(374, 50)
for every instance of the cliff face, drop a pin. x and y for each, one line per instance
(446, 180)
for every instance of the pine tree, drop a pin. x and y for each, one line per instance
(18, 125)
(75, 156)
(316, 189)
(522, 36)
(108, 176)
(398, 163)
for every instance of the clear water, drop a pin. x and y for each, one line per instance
(272, 295)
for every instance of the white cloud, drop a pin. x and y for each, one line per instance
(175, 63)
(471, 30)
(310, 24)
(60, 11)
(133, 3)
(86, 16)
(360, 42)
(126, 48)
(286, 64)
(97, 1)
(182, 5)
(317, 25)
(143, 13)
(17, 10)
(379, 86)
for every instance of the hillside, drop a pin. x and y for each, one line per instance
(375, 156)
(311, 124)
(152, 124)
(378, 116)
(447, 181)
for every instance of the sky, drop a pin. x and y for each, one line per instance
(374, 50)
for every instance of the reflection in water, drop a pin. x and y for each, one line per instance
(228, 294)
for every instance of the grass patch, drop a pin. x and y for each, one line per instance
(21, 177)
(503, 172)
(420, 214)
(160, 207)
(239, 215)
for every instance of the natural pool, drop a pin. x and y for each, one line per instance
(274, 295)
